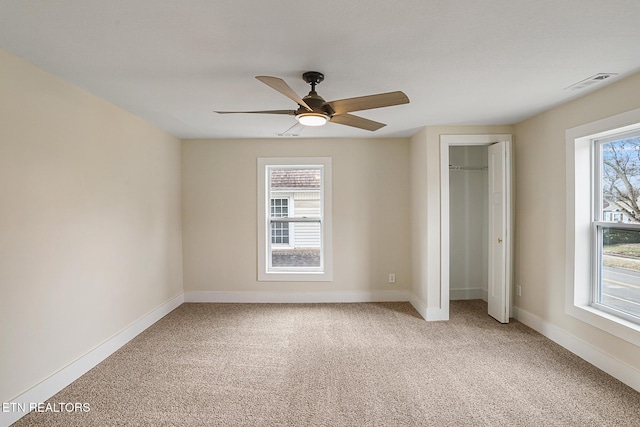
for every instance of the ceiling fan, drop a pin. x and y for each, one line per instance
(313, 110)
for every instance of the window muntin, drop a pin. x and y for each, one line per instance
(616, 242)
(294, 236)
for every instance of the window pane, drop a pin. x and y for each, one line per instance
(305, 253)
(280, 233)
(620, 271)
(296, 245)
(620, 180)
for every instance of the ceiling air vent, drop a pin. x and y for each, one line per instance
(598, 78)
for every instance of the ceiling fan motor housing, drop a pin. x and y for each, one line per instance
(317, 104)
(313, 100)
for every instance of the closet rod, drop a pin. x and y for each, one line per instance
(468, 168)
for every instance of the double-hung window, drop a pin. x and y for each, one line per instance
(294, 219)
(603, 224)
(616, 225)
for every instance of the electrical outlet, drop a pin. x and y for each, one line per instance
(392, 278)
(519, 290)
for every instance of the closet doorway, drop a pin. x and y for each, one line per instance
(476, 226)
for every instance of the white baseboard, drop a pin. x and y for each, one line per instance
(418, 305)
(319, 297)
(296, 297)
(465, 294)
(56, 382)
(436, 314)
(428, 313)
(598, 358)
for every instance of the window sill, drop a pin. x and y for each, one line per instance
(609, 323)
(295, 277)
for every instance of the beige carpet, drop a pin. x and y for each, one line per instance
(342, 365)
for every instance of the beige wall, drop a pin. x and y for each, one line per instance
(371, 234)
(540, 258)
(89, 225)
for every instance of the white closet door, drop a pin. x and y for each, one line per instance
(499, 232)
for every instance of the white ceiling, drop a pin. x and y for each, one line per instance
(459, 61)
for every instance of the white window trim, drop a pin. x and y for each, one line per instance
(580, 263)
(264, 233)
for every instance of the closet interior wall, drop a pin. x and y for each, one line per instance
(468, 207)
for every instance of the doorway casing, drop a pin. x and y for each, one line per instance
(447, 141)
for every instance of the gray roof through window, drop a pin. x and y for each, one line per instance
(295, 178)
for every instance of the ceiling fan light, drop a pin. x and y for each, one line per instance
(312, 119)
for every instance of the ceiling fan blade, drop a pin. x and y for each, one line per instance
(360, 103)
(282, 87)
(288, 112)
(356, 122)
